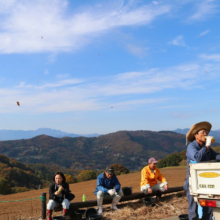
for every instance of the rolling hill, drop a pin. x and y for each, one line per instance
(128, 148)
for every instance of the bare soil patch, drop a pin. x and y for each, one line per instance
(32, 208)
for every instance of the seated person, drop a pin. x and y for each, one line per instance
(149, 176)
(59, 193)
(108, 186)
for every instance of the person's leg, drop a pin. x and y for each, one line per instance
(100, 196)
(65, 205)
(50, 207)
(207, 213)
(192, 208)
(116, 199)
(144, 189)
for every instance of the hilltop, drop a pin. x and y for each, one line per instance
(128, 148)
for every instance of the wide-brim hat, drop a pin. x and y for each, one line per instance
(197, 127)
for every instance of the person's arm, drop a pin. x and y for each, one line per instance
(51, 191)
(100, 186)
(214, 155)
(161, 178)
(117, 184)
(144, 178)
(195, 153)
(66, 190)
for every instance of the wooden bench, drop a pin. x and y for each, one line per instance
(138, 195)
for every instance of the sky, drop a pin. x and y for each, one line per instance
(97, 66)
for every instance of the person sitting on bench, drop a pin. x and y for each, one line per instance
(108, 186)
(59, 194)
(149, 176)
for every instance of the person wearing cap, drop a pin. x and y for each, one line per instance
(108, 186)
(149, 176)
(199, 149)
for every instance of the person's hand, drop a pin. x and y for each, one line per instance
(208, 141)
(111, 192)
(166, 187)
(57, 193)
(61, 188)
(149, 190)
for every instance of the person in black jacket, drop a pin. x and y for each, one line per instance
(59, 193)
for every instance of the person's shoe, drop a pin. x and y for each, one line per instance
(100, 210)
(114, 207)
(49, 214)
(65, 211)
(158, 196)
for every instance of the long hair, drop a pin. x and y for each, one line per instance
(61, 174)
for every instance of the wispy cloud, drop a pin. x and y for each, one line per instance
(90, 95)
(182, 116)
(61, 76)
(46, 72)
(213, 57)
(204, 9)
(46, 26)
(204, 33)
(178, 41)
(136, 50)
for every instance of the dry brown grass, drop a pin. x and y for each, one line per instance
(32, 209)
(170, 205)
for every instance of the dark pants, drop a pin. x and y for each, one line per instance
(192, 208)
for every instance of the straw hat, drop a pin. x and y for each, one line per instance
(197, 127)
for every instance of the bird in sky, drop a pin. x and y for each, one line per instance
(18, 103)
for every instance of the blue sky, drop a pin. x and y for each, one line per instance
(103, 66)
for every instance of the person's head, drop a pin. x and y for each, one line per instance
(198, 132)
(59, 178)
(152, 163)
(109, 172)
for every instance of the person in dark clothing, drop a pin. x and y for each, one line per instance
(59, 193)
(198, 150)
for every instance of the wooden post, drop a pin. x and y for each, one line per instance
(43, 205)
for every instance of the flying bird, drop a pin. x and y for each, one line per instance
(111, 107)
(99, 54)
(41, 37)
(18, 103)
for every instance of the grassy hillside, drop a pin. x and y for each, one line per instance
(129, 148)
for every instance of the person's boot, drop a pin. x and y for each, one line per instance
(115, 202)
(158, 196)
(99, 204)
(49, 214)
(65, 211)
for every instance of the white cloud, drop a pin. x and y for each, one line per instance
(89, 95)
(204, 9)
(46, 72)
(23, 23)
(213, 57)
(61, 76)
(178, 41)
(137, 51)
(204, 33)
(155, 2)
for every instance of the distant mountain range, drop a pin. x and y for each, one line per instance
(20, 134)
(131, 149)
(215, 134)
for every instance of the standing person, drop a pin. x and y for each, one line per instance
(59, 193)
(198, 150)
(108, 186)
(149, 176)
